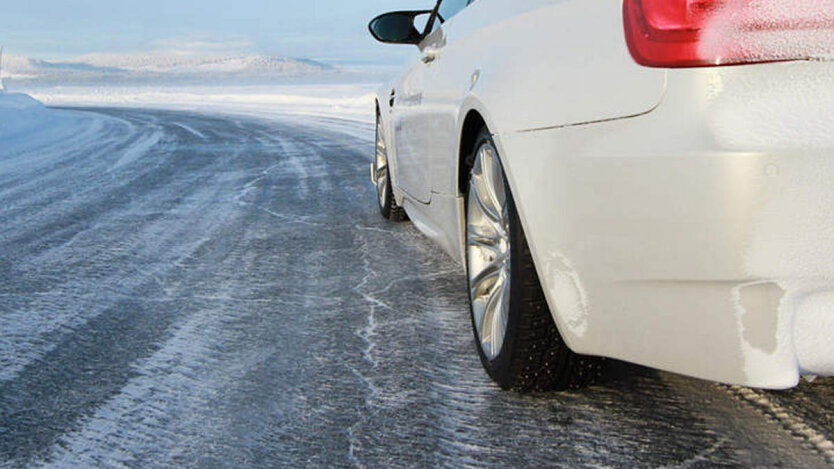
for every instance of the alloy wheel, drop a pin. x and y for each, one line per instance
(488, 250)
(381, 166)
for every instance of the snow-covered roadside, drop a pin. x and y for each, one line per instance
(25, 123)
(19, 114)
(347, 108)
(352, 101)
(339, 97)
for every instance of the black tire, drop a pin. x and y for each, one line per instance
(388, 207)
(534, 357)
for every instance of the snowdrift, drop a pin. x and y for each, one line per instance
(20, 113)
(25, 123)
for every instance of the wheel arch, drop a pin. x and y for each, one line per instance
(472, 125)
(382, 113)
(473, 117)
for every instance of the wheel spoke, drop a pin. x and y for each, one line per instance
(494, 181)
(381, 159)
(478, 314)
(483, 236)
(488, 249)
(484, 279)
(492, 312)
(499, 317)
(382, 185)
(381, 166)
(483, 198)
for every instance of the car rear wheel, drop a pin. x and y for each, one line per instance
(517, 339)
(381, 177)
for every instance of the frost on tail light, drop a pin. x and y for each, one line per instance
(697, 33)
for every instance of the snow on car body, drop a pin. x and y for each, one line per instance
(676, 210)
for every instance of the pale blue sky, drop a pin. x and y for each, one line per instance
(331, 30)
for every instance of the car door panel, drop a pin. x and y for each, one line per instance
(424, 123)
(410, 131)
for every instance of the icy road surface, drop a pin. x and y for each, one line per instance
(178, 289)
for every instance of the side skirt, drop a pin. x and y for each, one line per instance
(441, 221)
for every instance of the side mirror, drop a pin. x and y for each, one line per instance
(398, 27)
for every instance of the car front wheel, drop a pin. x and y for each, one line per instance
(381, 177)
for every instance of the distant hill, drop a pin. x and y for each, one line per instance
(138, 68)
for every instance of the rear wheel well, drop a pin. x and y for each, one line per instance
(472, 125)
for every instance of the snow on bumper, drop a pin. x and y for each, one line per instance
(697, 238)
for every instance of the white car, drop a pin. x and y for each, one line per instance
(647, 180)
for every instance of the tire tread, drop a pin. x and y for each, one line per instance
(542, 360)
(390, 211)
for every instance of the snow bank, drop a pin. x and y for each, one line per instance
(344, 108)
(248, 85)
(19, 113)
(19, 102)
(341, 98)
(26, 122)
(353, 102)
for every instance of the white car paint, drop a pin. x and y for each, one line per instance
(678, 218)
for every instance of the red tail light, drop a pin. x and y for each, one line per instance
(696, 33)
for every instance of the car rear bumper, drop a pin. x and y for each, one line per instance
(698, 238)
